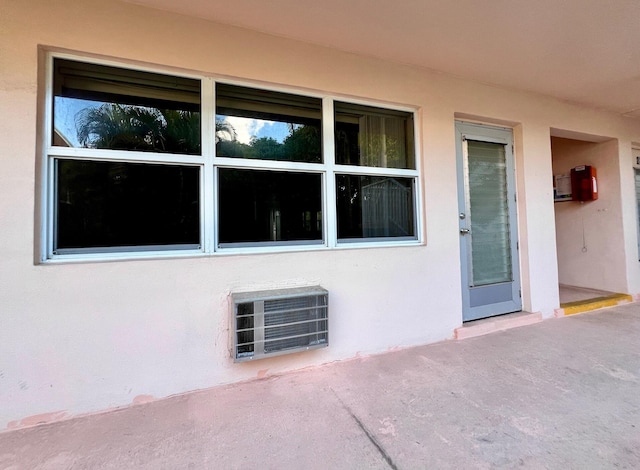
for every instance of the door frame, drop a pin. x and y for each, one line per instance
(499, 135)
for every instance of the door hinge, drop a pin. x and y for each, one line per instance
(520, 293)
(517, 245)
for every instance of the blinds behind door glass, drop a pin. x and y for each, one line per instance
(489, 212)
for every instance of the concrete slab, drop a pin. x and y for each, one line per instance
(562, 393)
(575, 294)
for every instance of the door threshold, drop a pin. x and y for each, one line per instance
(485, 326)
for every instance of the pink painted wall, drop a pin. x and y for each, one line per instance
(83, 337)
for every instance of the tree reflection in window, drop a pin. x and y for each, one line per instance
(125, 127)
(268, 125)
(120, 109)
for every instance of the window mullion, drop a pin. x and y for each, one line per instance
(123, 156)
(208, 194)
(329, 153)
(371, 170)
(256, 164)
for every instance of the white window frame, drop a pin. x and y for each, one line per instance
(636, 187)
(209, 164)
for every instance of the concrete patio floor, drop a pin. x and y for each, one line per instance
(563, 393)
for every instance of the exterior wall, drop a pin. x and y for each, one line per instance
(83, 337)
(590, 235)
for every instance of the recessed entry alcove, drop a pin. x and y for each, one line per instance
(589, 234)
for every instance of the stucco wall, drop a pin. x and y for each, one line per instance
(77, 338)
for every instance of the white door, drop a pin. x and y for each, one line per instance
(488, 223)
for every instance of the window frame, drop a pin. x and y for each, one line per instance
(636, 187)
(209, 164)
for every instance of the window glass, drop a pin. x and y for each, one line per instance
(269, 206)
(97, 106)
(489, 213)
(113, 204)
(267, 125)
(376, 137)
(374, 206)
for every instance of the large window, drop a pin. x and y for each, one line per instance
(141, 162)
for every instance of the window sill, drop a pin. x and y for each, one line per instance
(230, 251)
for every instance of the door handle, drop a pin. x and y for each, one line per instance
(464, 231)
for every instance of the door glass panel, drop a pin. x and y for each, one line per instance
(490, 241)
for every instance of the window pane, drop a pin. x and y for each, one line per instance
(96, 106)
(267, 125)
(264, 206)
(111, 204)
(368, 136)
(375, 206)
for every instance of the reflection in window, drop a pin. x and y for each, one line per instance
(374, 206)
(97, 106)
(114, 204)
(268, 175)
(368, 136)
(267, 125)
(269, 206)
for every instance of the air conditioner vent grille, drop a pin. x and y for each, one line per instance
(296, 303)
(270, 323)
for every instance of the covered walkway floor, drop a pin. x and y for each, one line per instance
(562, 393)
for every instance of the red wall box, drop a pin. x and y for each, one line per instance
(584, 183)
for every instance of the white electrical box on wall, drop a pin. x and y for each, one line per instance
(562, 188)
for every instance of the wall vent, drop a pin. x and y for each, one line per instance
(274, 322)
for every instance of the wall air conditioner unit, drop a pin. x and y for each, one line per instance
(274, 322)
